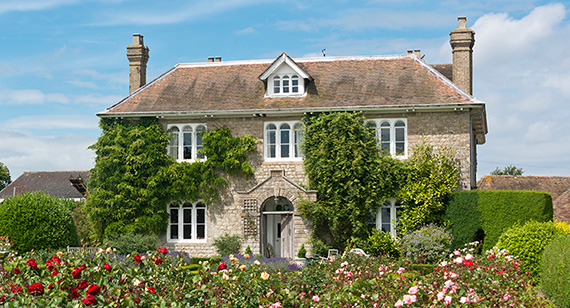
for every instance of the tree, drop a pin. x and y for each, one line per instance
(343, 163)
(508, 170)
(4, 176)
(432, 177)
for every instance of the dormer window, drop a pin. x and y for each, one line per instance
(287, 84)
(285, 78)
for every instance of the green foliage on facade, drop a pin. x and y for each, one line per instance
(134, 179)
(477, 213)
(342, 162)
(4, 176)
(431, 178)
(508, 170)
(38, 221)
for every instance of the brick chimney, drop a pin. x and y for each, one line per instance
(462, 40)
(137, 54)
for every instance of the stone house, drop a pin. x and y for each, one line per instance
(404, 98)
(557, 186)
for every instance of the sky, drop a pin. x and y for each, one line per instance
(62, 61)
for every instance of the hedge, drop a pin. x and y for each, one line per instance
(556, 271)
(486, 214)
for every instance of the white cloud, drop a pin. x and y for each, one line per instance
(32, 5)
(540, 132)
(30, 96)
(247, 30)
(27, 152)
(45, 122)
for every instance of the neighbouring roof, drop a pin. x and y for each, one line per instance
(233, 88)
(53, 183)
(557, 186)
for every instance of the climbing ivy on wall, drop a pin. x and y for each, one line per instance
(134, 179)
(342, 161)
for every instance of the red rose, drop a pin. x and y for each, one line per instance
(158, 261)
(83, 284)
(32, 264)
(138, 258)
(107, 267)
(151, 290)
(222, 266)
(94, 290)
(36, 288)
(16, 271)
(162, 250)
(55, 272)
(50, 286)
(73, 293)
(77, 271)
(89, 300)
(16, 289)
(2, 299)
(52, 262)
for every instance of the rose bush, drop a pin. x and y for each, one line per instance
(108, 280)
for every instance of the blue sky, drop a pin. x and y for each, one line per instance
(62, 61)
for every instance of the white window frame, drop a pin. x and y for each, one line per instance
(393, 129)
(272, 85)
(194, 146)
(394, 208)
(194, 208)
(295, 135)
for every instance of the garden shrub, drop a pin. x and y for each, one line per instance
(382, 243)
(555, 271)
(228, 244)
(427, 245)
(130, 243)
(474, 214)
(38, 221)
(248, 250)
(528, 242)
(302, 252)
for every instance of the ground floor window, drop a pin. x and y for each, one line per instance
(388, 215)
(187, 222)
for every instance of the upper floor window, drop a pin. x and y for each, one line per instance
(186, 141)
(283, 140)
(388, 216)
(392, 136)
(283, 85)
(187, 222)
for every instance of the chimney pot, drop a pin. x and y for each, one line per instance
(417, 53)
(218, 59)
(461, 22)
(410, 52)
(210, 59)
(137, 39)
(137, 54)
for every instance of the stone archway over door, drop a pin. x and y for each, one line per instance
(277, 228)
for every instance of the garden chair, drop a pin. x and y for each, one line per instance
(359, 252)
(331, 256)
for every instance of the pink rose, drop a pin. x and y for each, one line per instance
(413, 290)
(447, 300)
(222, 266)
(440, 296)
(408, 299)
(399, 303)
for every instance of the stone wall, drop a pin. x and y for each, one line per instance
(244, 198)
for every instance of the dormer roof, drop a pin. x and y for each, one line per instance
(283, 59)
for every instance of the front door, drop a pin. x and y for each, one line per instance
(277, 228)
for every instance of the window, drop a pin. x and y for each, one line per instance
(283, 141)
(284, 85)
(388, 215)
(186, 141)
(187, 222)
(391, 135)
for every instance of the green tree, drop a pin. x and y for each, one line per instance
(4, 176)
(508, 170)
(38, 221)
(432, 177)
(342, 162)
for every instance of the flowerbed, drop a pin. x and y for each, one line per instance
(158, 280)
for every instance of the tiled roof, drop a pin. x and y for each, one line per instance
(374, 81)
(53, 183)
(557, 186)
